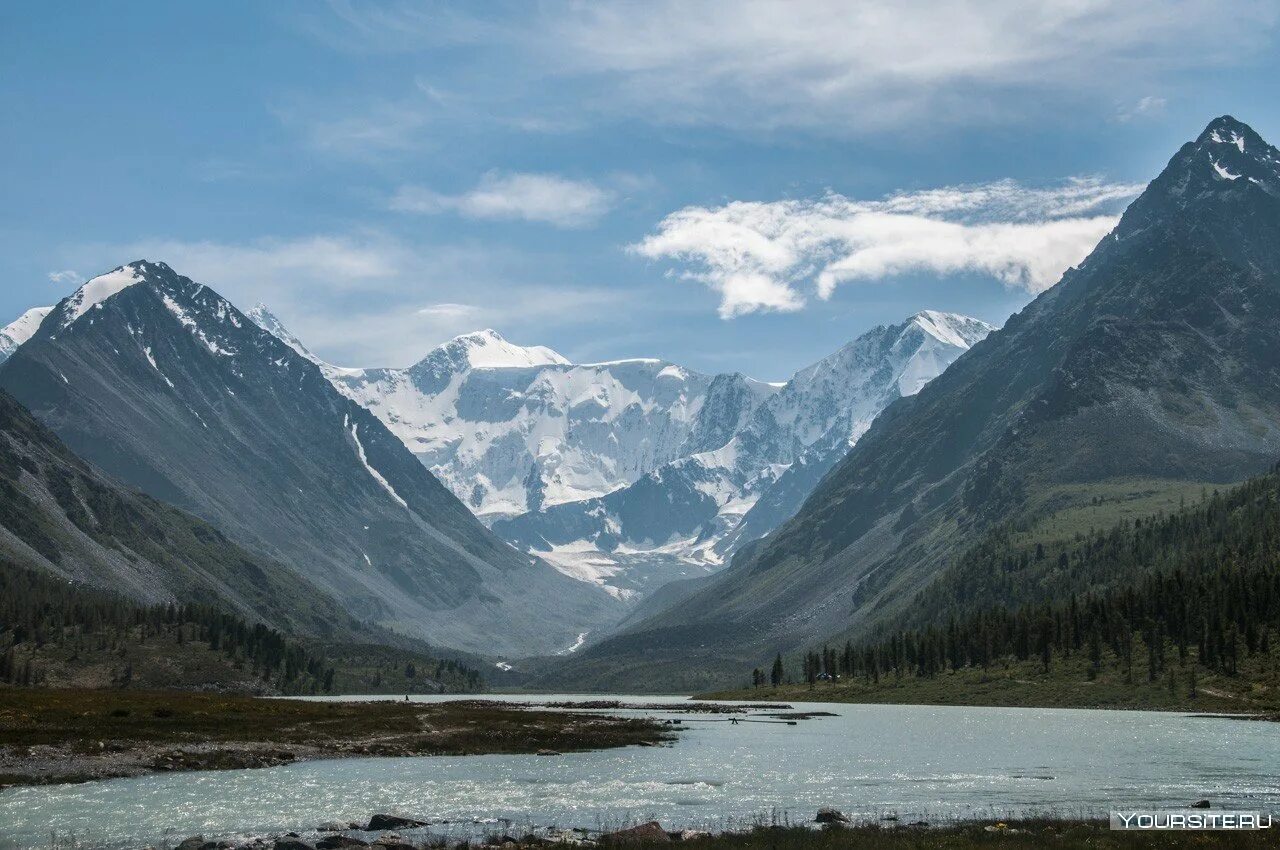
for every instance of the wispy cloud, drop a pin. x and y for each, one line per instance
(1147, 106)
(65, 277)
(545, 198)
(827, 65)
(371, 299)
(769, 256)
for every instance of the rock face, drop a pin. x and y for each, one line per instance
(688, 516)
(169, 388)
(1158, 359)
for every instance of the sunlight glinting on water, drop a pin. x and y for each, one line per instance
(916, 762)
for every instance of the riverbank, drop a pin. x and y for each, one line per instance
(1026, 685)
(1012, 834)
(389, 832)
(56, 736)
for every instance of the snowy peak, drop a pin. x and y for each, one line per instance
(99, 289)
(21, 329)
(261, 316)
(487, 349)
(1233, 151)
(951, 328)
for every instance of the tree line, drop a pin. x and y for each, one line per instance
(1200, 586)
(39, 611)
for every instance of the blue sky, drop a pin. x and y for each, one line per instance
(733, 186)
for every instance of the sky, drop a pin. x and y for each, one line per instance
(731, 186)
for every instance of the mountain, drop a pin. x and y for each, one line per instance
(687, 516)
(511, 429)
(60, 516)
(169, 388)
(1153, 366)
(20, 330)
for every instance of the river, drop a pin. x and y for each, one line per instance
(913, 762)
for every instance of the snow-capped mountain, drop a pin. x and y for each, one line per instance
(20, 330)
(686, 516)
(512, 429)
(165, 385)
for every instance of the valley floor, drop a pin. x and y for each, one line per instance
(50, 736)
(1254, 690)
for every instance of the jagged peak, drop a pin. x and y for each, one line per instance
(1226, 129)
(952, 328)
(1227, 164)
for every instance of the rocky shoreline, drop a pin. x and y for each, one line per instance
(829, 830)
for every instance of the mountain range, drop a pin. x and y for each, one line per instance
(168, 388)
(503, 500)
(1151, 368)
(687, 517)
(632, 473)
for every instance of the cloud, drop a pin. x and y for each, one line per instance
(827, 65)
(367, 298)
(544, 198)
(66, 276)
(768, 256)
(1145, 107)
(448, 311)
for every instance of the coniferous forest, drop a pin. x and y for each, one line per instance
(59, 633)
(1167, 600)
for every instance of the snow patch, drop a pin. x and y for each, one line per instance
(152, 360)
(1222, 172)
(377, 476)
(99, 289)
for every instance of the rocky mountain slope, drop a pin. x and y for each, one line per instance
(61, 516)
(168, 387)
(1154, 363)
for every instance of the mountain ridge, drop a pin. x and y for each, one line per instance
(167, 386)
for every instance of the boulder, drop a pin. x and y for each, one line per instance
(195, 842)
(288, 843)
(829, 815)
(337, 842)
(380, 822)
(646, 833)
(1200, 804)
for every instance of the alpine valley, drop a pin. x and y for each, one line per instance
(634, 473)
(637, 524)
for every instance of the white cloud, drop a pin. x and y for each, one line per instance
(767, 256)
(545, 198)
(370, 299)
(448, 310)
(66, 276)
(827, 65)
